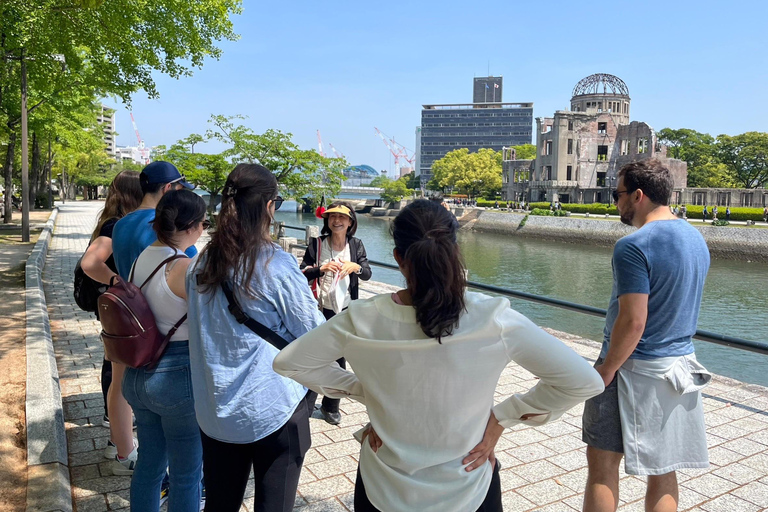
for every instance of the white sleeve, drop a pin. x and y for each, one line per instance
(311, 360)
(566, 378)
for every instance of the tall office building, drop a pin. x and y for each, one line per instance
(107, 121)
(487, 89)
(473, 126)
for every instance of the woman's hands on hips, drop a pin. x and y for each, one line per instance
(484, 450)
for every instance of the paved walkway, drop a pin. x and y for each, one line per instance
(544, 468)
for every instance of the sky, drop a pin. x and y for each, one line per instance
(345, 67)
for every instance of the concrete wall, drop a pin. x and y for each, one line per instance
(723, 242)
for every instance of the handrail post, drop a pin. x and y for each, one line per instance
(311, 232)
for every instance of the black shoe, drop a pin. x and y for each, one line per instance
(334, 418)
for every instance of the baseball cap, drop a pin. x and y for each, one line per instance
(164, 172)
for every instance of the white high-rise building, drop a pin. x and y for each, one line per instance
(107, 121)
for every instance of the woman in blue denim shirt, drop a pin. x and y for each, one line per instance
(161, 397)
(250, 417)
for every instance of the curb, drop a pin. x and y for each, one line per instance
(48, 485)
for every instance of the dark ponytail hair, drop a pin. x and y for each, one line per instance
(425, 238)
(178, 210)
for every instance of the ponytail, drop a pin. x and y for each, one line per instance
(425, 237)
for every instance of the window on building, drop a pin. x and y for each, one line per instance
(570, 146)
(568, 172)
(600, 180)
(625, 146)
(602, 153)
(570, 126)
(549, 172)
(602, 128)
(548, 147)
(541, 173)
(642, 145)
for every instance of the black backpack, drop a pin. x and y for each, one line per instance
(86, 290)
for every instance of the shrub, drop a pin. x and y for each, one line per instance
(737, 213)
(561, 213)
(721, 222)
(543, 212)
(522, 222)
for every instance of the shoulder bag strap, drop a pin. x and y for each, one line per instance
(164, 344)
(262, 330)
(167, 260)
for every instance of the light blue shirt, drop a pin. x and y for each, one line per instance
(238, 397)
(667, 260)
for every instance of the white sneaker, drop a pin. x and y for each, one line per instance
(125, 467)
(110, 452)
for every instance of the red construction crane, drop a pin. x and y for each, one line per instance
(338, 154)
(144, 152)
(320, 143)
(398, 150)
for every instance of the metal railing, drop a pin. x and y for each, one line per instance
(708, 336)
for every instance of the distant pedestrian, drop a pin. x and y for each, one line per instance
(684, 211)
(765, 214)
(704, 212)
(496, 205)
(714, 212)
(727, 213)
(651, 412)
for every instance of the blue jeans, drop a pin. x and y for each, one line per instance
(168, 433)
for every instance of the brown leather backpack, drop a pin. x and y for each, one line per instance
(129, 331)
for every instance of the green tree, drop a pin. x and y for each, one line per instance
(302, 173)
(699, 152)
(470, 173)
(394, 191)
(525, 151)
(379, 181)
(746, 157)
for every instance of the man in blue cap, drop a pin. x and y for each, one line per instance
(133, 233)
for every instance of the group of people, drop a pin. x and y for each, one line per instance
(223, 400)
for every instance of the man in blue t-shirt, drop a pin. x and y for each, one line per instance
(133, 233)
(658, 278)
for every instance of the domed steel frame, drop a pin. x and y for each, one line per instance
(593, 84)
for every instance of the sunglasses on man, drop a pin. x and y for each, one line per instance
(617, 193)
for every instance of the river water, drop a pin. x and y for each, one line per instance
(734, 301)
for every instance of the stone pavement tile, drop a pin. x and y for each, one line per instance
(538, 470)
(507, 460)
(348, 500)
(565, 443)
(513, 502)
(755, 492)
(556, 507)
(722, 456)
(328, 505)
(333, 450)
(510, 480)
(324, 489)
(632, 488)
(635, 506)
(737, 473)
(332, 467)
(525, 436)
(569, 461)
(760, 437)
(342, 433)
(531, 452)
(576, 502)
(758, 462)
(558, 428)
(710, 485)
(80, 473)
(734, 412)
(544, 492)
(80, 446)
(712, 419)
(690, 499)
(727, 431)
(313, 456)
(574, 480)
(750, 424)
(729, 503)
(119, 499)
(95, 503)
(744, 446)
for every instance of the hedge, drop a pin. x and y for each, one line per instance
(737, 213)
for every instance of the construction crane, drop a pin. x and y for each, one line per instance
(398, 150)
(338, 154)
(320, 143)
(144, 152)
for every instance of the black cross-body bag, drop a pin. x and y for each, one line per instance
(262, 330)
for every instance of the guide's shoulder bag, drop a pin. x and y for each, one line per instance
(129, 330)
(315, 286)
(86, 290)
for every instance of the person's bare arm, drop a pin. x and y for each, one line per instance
(626, 333)
(177, 275)
(94, 262)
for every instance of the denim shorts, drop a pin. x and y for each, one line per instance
(601, 423)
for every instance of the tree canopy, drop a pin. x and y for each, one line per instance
(746, 156)
(470, 173)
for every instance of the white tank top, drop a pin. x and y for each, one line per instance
(167, 307)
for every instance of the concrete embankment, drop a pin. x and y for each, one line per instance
(734, 243)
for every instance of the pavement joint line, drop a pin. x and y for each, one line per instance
(48, 484)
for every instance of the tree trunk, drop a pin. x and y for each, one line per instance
(8, 205)
(34, 182)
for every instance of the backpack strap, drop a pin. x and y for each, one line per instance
(262, 330)
(166, 340)
(165, 261)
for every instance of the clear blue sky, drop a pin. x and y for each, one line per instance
(344, 67)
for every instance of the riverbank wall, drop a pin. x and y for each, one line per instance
(741, 244)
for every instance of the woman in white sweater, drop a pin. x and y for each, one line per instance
(427, 360)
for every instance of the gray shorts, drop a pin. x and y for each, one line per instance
(601, 423)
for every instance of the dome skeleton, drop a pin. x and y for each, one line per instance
(611, 85)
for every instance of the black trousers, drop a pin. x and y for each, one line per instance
(106, 381)
(276, 461)
(332, 404)
(492, 501)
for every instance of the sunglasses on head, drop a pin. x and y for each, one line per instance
(278, 202)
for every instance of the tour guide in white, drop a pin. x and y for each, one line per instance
(651, 411)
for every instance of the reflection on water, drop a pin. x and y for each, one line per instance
(734, 300)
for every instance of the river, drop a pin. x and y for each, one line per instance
(731, 305)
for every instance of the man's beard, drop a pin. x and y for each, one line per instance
(627, 216)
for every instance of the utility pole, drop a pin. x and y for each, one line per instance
(24, 154)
